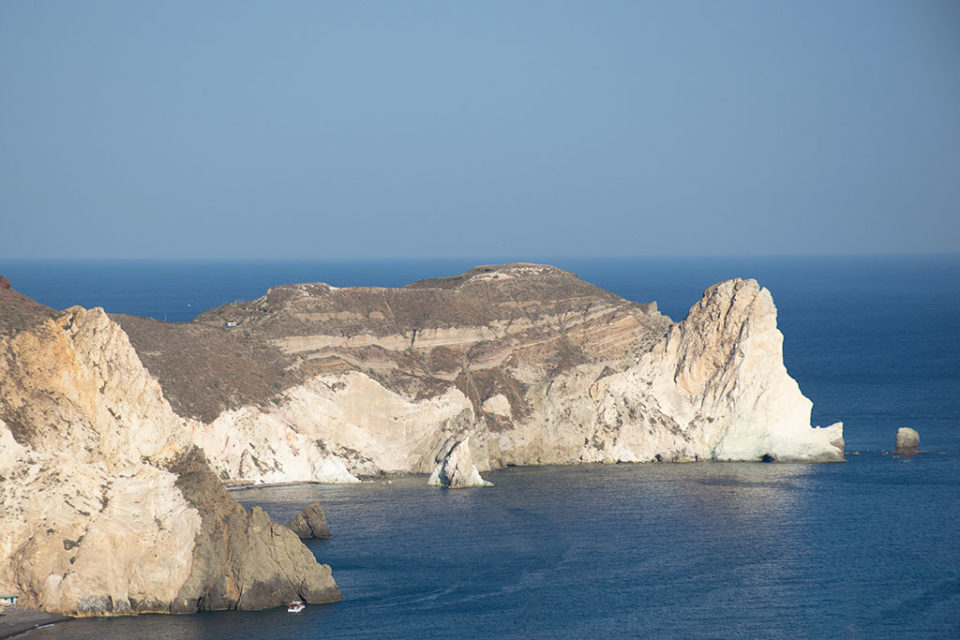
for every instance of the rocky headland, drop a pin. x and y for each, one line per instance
(116, 432)
(524, 364)
(106, 505)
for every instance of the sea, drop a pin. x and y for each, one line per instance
(867, 548)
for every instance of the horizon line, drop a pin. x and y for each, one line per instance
(507, 258)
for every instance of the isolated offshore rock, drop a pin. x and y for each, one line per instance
(456, 470)
(908, 440)
(103, 509)
(310, 523)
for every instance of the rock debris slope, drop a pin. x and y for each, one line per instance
(528, 363)
(106, 507)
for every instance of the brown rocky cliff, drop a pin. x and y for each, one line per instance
(311, 522)
(243, 560)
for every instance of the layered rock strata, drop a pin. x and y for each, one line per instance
(105, 506)
(529, 363)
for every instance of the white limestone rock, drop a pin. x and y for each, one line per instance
(534, 365)
(715, 388)
(456, 470)
(720, 376)
(252, 444)
(332, 429)
(498, 405)
(908, 441)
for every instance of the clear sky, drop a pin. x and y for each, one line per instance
(391, 129)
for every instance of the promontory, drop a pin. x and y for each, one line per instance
(527, 363)
(116, 432)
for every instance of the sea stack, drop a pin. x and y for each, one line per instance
(456, 470)
(908, 441)
(310, 523)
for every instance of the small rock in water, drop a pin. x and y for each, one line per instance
(310, 523)
(908, 440)
(457, 469)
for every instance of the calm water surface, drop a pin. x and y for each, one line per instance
(864, 549)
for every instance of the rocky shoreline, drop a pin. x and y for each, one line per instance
(118, 434)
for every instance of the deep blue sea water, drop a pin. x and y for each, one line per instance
(869, 548)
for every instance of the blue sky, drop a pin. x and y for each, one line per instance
(400, 129)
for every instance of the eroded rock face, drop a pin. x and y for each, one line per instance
(311, 522)
(243, 560)
(100, 511)
(529, 363)
(908, 441)
(720, 376)
(456, 470)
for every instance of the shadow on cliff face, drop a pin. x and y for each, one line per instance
(242, 560)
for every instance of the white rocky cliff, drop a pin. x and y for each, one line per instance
(105, 506)
(528, 363)
(715, 388)
(455, 469)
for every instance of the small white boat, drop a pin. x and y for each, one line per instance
(296, 606)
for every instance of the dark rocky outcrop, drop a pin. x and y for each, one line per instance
(243, 560)
(310, 523)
